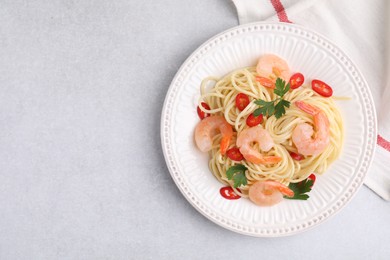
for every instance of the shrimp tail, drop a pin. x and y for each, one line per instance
(282, 188)
(271, 159)
(286, 191)
(256, 159)
(311, 110)
(224, 144)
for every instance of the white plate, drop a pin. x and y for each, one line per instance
(307, 52)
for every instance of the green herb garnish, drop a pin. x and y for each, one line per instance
(300, 189)
(237, 173)
(275, 107)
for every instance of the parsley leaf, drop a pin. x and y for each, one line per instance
(279, 108)
(239, 179)
(281, 88)
(237, 173)
(268, 108)
(300, 189)
(275, 107)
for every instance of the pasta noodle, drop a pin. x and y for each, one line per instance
(220, 95)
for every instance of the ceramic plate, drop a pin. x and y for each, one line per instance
(307, 52)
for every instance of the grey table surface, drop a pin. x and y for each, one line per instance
(82, 173)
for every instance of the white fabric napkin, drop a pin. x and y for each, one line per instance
(362, 29)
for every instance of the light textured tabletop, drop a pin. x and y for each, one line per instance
(82, 174)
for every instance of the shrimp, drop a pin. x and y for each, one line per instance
(272, 67)
(208, 128)
(268, 193)
(263, 138)
(302, 133)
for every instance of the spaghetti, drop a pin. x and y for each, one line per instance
(220, 95)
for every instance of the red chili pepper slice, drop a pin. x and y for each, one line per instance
(201, 113)
(253, 120)
(313, 178)
(296, 80)
(234, 154)
(242, 101)
(228, 193)
(296, 156)
(321, 88)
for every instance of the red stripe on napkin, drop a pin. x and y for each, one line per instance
(279, 8)
(382, 142)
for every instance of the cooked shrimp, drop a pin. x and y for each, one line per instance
(302, 134)
(262, 137)
(268, 193)
(272, 67)
(208, 128)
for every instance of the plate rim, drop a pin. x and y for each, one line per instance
(169, 98)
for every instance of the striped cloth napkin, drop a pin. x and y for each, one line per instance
(362, 29)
